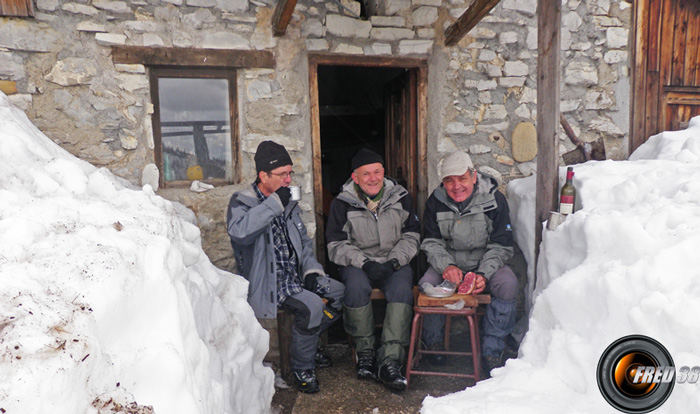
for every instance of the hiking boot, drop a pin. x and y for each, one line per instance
(390, 375)
(322, 359)
(366, 365)
(436, 359)
(306, 381)
(490, 363)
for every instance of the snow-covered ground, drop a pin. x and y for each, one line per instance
(627, 262)
(107, 298)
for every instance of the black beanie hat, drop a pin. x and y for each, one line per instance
(363, 157)
(271, 155)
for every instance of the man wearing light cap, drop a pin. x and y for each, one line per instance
(372, 235)
(467, 229)
(275, 254)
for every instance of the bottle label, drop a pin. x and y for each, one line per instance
(566, 204)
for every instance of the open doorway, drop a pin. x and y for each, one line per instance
(370, 103)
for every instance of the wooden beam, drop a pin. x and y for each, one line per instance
(175, 56)
(282, 16)
(468, 20)
(548, 78)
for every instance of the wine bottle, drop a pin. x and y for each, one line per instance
(568, 193)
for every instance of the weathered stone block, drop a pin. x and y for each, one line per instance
(424, 16)
(526, 7)
(110, 39)
(112, 6)
(616, 37)
(224, 40)
(316, 44)
(77, 8)
(581, 73)
(387, 21)
(72, 71)
(391, 34)
(348, 49)
(516, 68)
(409, 47)
(347, 26)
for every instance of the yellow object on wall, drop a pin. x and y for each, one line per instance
(195, 173)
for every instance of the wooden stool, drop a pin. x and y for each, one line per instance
(426, 305)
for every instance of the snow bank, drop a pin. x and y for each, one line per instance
(105, 293)
(625, 263)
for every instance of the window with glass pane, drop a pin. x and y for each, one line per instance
(195, 129)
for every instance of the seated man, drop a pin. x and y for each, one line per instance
(373, 234)
(467, 229)
(276, 255)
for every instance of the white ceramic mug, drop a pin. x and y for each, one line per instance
(296, 192)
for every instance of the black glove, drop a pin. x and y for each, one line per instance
(284, 194)
(375, 271)
(392, 266)
(311, 282)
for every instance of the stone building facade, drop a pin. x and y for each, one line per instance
(58, 67)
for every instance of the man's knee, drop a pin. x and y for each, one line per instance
(399, 286)
(504, 284)
(307, 310)
(357, 287)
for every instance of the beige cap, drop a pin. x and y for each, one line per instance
(456, 163)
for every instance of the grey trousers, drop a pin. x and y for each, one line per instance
(309, 321)
(398, 290)
(500, 314)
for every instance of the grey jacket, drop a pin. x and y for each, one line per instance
(354, 234)
(478, 238)
(249, 225)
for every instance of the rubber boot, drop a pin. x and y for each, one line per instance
(396, 333)
(359, 323)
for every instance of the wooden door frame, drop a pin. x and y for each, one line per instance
(327, 59)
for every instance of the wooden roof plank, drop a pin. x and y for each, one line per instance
(282, 16)
(468, 20)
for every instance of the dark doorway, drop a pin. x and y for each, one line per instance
(365, 107)
(372, 102)
(352, 116)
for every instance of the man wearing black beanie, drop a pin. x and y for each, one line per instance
(372, 235)
(274, 252)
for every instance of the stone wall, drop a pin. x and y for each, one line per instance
(481, 92)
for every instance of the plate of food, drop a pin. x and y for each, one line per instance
(443, 290)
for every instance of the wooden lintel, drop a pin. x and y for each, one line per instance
(282, 16)
(174, 56)
(468, 20)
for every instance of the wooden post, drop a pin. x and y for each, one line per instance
(548, 78)
(282, 15)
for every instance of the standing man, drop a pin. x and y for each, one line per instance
(275, 254)
(372, 234)
(467, 229)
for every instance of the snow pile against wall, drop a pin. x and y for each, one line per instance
(624, 263)
(105, 293)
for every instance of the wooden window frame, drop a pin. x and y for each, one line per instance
(230, 75)
(16, 8)
(181, 62)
